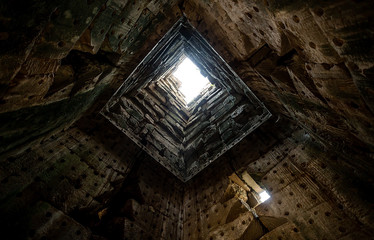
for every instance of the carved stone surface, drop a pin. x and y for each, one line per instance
(184, 138)
(66, 172)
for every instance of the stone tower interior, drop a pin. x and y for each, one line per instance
(97, 142)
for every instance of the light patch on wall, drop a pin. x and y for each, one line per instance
(192, 82)
(264, 196)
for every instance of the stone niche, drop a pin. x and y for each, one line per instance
(185, 139)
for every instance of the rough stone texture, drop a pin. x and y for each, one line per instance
(216, 120)
(55, 53)
(300, 54)
(310, 62)
(79, 179)
(309, 199)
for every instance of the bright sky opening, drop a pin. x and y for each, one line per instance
(192, 82)
(264, 196)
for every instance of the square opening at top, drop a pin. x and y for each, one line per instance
(192, 82)
(184, 120)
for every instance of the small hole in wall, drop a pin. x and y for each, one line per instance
(354, 105)
(338, 42)
(256, 9)
(327, 66)
(296, 19)
(312, 45)
(318, 11)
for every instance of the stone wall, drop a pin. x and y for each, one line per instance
(311, 192)
(88, 182)
(218, 119)
(57, 57)
(310, 60)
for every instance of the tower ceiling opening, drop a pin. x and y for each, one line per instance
(179, 117)
(192, 82)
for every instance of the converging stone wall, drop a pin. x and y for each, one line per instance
(185, 139)
(66, 172)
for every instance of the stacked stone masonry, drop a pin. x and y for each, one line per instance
(66, 172)
(214, 122)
